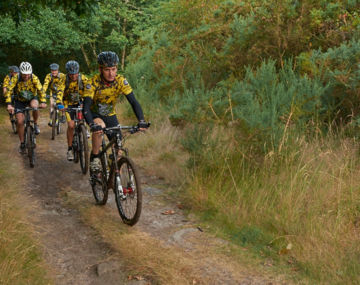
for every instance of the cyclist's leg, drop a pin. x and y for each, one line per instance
(112, 121)
(34, 103)
(71, 124)
(19, 109)
(52, 104)
(95, 163)
(97, 138)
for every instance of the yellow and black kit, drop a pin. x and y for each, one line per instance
(54, 83)
(25, 91)
(104, 95)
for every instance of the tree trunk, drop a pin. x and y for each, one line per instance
(85, 56)
(93, 49)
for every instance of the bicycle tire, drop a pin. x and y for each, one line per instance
(130, 204)
(53, 126)
(98, 181)
(76, 146)
(13, 123)
(30, 145)
(58, 127)
(83, 148)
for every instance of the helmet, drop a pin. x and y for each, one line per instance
(14, 68)
(72, 67)
(25, 68)
(54, 66)
(108, 58)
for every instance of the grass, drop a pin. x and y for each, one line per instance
(20, 258)
(299, 207)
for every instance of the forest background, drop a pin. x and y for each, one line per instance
(264, 98)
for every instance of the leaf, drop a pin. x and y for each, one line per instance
(168, 212)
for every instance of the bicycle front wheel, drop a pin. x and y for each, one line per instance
(30, 145)
(58, 127)
(128, 194)
(53, 122)
(76, 146)
(13, 123)
(98, 181)
(83, 149)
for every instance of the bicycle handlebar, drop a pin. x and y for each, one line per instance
(30, 109)
(131, 129)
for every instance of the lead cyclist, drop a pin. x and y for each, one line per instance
(100, 96)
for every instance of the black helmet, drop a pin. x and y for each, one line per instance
(14, 68)
(54, 66)
(108, 58)
(72, 67)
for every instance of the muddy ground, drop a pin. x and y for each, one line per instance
(77, 254)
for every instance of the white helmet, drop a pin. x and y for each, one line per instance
(25, 68)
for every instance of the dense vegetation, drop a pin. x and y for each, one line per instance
(266, 94)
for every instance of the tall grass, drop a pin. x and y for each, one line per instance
(301, 207)
(20, 258)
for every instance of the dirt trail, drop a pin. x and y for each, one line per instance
(76, 252)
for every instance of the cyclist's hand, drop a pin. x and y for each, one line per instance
(42, 105)
(95, 128)
(10, 109)
(142, 125)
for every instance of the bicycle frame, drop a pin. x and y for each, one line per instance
(116, 145)
(27, 120)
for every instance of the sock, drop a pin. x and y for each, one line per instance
(92, 156)
(69, 148)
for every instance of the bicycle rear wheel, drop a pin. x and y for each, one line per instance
(83, 149)
(30, 145)
(53, 122)
(98, 181)
(129, 202)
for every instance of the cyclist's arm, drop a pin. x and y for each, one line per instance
(9, 90)
(46, 82)
(6, 83)
(87, 112)
(135, 106)
(39, 88)
(60, 92)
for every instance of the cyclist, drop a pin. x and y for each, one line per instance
(73, 91)
(52, 81)
(25, 87)
(13, 71)
(100, 98)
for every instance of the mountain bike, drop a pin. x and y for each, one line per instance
(118, 172)
(29, 135)
(80, 140)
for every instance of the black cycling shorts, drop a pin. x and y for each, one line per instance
(20, 105)
(110, 121)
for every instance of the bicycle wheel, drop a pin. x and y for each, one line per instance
(129, 202)
(75, 145)
(98, 181)
(53, 122)
(13, 123)
(58, 127)
(30, 145)
(83, 149)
